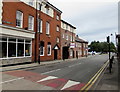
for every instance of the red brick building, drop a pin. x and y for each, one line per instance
(29, 31)
(81, 47)
(67, 40)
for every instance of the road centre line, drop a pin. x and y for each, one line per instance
(74, 65)
(12, 80)
(51, 71)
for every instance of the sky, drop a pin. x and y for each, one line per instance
(94, 19)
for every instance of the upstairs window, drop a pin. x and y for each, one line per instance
(66, 37)
(57, 17)
(47, 10)
(30, 23)
(40, 25)
(63, 36)
(47, 28)
(71, 38)
(19, 19)
(57, 29)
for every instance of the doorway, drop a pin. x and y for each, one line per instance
(65, 53)
(55, 54)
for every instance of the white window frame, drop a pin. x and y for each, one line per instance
(50, 49)
(57, 28)
(66, 37)
(30, 23)
(58, 17)
(16, 56)
(63, 35)
(71, 53)
(40, 22)
(43, 51)
(71, 38)
(47, 11)
(57, 40)
(21, 19)
(47, 28)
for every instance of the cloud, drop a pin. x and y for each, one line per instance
(94, 19)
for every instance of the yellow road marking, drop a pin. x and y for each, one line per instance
(90, 83)
(95, 79)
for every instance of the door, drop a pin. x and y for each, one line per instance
(55, 54)
(65, 53)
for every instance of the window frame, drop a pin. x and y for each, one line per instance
(57, 17)
(40, 23)
(32, 24)
(43, 51)
(21, 24)
(49, 45)
(47, 28)
(58, 28)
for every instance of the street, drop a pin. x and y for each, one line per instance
(67, 75)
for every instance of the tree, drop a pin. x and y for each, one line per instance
(101, 46)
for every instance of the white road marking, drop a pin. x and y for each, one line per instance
(51, 71)
(12, 80)
(48, 78)
(69, 84)
(74, 65)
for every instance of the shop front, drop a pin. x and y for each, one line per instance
(16, 45)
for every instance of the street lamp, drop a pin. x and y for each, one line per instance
(38, 15)
(110, 63)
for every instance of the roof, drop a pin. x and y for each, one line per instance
(54, 7)
(77, 39)
(68, 24)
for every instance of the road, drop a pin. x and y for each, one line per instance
(67, 75)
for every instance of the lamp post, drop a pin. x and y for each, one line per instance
(110, 62)
(38, 16)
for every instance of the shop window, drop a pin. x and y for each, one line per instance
(16, 47)
(27, 49)
(20, 49)
(11, 49)
(3, 49)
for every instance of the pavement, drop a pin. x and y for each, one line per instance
(109, 81)
(26, 66)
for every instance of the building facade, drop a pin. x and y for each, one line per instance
(29, 31)
(33, 32)
(67, 40)
(81, 47)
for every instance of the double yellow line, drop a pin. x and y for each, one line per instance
(94, 78)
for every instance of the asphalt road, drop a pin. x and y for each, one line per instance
(78, 70)
(66, 75)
